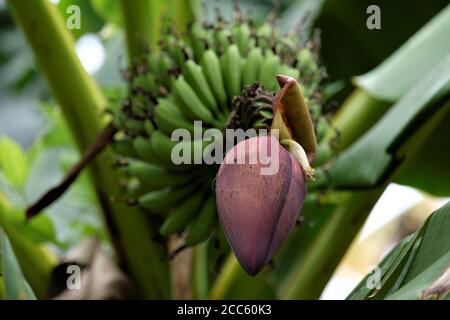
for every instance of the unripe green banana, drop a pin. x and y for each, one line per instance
(201, 227)
(222, 39)
(288, 71)
(177, 50)
(198, 39)
(135, 188)
(162, 145)
(145, 82)
(140, 106)
(149, 127)
(125, 148)
(155, 177)
(144, 150)
(119, 118)
(165, 64)
(168, 117)
(160, 201)
(269, 70)
(305, 61)
(259, 124)
(231, 68)
(134, 126)
(211, 68)
(156, 199)
(252, 66)
(265, 30)
(166, 149)
(192, 102)
(153, 60)
(242, 34)
(183, 214)
(264, 34)
(322, 128)
(177, 99)
(194, 76)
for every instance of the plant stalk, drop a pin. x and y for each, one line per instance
(325, 252)
(2, 289)
(142, 23)
(225, 279)
(81, 101)
(358, 114)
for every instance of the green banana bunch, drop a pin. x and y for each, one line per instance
(198, 38)
(161, 200)
(146, 173)
(243, 36)
(194, 75)
(201, 227)
(210, 63)
(269, 70)
(168, 117)
(182, 214)
(192, 106)
(252, 66)
(231, 70)
(222, 39)
(222, 75)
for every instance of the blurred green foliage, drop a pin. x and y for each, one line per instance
(409, 271)
(408, 144)
(349, 48)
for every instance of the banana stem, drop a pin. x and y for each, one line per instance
(81, 101)
(180, 270)
(2, 289)
(184, 12)
(225, 279)
(200, 272)
(314, 269)
(142, 26)
(356, 115)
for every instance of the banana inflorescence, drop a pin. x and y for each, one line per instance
(224, 76)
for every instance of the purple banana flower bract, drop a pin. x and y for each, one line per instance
(257, 211)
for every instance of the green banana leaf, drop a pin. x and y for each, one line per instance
(411, 62)
(345, 36)
(15, 285)
(434, 176)
(375, 156)
(426, 167)
(417, 268)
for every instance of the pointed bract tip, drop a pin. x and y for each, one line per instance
(282, 80)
